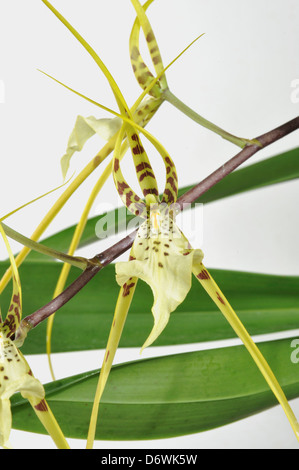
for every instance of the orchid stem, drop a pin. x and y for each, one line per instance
(114, 251)
(97, 263)
(177, 103)
(230, 165)
(76, 261)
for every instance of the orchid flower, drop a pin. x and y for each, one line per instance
(161, 254)
(141, 112)
(162, 257)
(15, 373)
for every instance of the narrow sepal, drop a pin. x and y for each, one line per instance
(121, 310)
(141, 70)
(208, 283)
(14, 314)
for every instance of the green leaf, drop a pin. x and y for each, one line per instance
(277, 169)
(167, 396)
(264, 303)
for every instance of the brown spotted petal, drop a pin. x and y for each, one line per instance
(15, 376)
(164, 261)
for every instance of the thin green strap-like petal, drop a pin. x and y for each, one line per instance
(142, 111)
(144, 172)
(36, 398)
(76, 261)
(152, 47)
(115, 89)
(141, 71)
(14, 313)
(33, 200)
(122, 307)
(208, 283)
(128, 196)
(48, 420)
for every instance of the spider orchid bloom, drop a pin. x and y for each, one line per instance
(162, 257)
(146, 258)
(15, 376)
(15, 373)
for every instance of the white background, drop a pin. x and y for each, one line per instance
(239, 75)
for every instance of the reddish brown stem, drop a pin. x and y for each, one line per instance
(228, 167)
(106, 257)
(98, 263)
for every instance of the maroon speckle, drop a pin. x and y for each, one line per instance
(108, 352)
(220, 298)
(203, 275)
(116, 165)
(127, 288)
(41, 406)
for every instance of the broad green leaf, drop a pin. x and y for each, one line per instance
(277, 169)
(168, 396)
(264, 303)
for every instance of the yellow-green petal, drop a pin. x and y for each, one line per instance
(83, 130)
(14, 314)
(5, 423)
(164, 261)
(15, 375)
